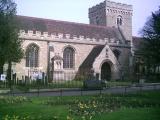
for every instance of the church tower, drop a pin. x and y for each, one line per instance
(112, 14)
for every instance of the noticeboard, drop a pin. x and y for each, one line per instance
(3, 77)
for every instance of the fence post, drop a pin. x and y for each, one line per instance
(81, 92)
(154, 86)
(141, 88)
(38, 86)
(100, 91)
(125, 90)
(61, 92)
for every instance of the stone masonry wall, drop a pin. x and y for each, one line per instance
(81, 52)
(81, 45)
(108, 12)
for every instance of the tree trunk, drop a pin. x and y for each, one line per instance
(9, 74)
(1, 67)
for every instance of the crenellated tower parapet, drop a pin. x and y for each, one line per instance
(112, 14)
(97, 14)
(119, 6)
(97, 7)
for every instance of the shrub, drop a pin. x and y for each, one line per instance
(13, 100)
(94, 84)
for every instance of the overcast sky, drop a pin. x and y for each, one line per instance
(77, 10)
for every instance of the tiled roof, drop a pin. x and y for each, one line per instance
(54, 26)
(88, 62)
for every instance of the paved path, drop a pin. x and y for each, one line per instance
(78, 92)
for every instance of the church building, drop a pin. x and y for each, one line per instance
(62, 50)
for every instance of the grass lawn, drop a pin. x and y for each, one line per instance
(116, 83)
(141, 106)
(132, 114)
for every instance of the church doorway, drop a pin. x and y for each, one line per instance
(106, 71)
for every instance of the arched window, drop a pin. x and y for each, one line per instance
(68, 58)
(116, 53)
(32, 55)
(119, 20)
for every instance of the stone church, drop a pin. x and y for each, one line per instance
(61, 50)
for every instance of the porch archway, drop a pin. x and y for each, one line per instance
(106, 71)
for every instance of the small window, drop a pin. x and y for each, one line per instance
(119, 20)
(107, 53)
(97, 20)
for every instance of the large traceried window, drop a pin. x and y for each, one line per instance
(32, 55)
(68, 58)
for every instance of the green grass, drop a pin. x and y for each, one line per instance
(66, 84)
(35, 109)
(132, 114)
(116, 83)
(46, 108)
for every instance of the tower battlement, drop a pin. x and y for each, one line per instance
(112, 14)
(118, 5)
(118, 8)
(97, 7)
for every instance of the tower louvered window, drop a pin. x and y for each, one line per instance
(119, 20)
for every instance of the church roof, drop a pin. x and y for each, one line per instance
(54, 26)
(88, 62)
